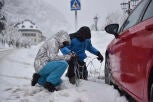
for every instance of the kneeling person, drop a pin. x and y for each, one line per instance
(49, 66)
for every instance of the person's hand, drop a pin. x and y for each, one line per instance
(73, 56)
(100, 57)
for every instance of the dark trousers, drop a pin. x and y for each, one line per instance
(81, 71)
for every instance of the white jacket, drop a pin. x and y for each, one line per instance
(50, 49)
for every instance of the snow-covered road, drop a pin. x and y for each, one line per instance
(16, 70)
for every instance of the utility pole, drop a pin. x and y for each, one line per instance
(76, 20)
(128, 6)
(96, 22)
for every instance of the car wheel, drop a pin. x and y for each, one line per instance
(151, 93)
(107, 71)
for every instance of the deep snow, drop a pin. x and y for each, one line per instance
(16, 70)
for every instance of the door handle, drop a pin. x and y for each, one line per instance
(149, 27)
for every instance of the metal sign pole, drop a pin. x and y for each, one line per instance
(76, 20)
(75, 5)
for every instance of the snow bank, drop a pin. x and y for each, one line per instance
(16, 71)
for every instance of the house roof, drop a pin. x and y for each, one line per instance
(26, 24)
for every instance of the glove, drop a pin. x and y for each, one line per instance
(66, 43)
(100, 57)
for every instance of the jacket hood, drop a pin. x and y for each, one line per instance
(82, 34)
(61, 37)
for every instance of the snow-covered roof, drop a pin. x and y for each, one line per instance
(26, 24)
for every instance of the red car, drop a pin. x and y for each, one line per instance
(129, 57)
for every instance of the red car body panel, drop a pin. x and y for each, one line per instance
(131, 59)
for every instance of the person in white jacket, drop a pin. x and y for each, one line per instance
(49, 66)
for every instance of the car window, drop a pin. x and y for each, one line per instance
(134, 17)
(149, 12)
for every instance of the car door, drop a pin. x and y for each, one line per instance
(128, 72)
(142, 52)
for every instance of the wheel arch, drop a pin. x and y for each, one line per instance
(150, 81)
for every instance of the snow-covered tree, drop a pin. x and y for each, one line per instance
(14, 38)
(39, 11)
(2, 23)
(114, 17)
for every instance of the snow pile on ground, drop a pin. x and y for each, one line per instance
(86, 92)
(16, 70)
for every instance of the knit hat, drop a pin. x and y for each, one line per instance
(83, 33)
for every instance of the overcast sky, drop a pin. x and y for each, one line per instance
(89, 9)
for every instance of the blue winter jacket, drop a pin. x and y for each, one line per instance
(79, 48)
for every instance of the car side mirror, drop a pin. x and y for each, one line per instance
(112, 29)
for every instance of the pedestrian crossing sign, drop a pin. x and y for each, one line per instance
(75, 5)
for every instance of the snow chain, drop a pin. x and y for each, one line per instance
(77, 72)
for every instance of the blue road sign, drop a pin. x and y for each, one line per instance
(75, 5)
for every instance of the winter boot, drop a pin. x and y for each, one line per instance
(72, 80)
(35, 78)
(50, 87)
(85, 75)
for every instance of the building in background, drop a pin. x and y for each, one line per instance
(30, 31)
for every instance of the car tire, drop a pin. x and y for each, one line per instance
(108, 75)
(151, 93)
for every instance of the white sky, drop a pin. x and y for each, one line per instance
(89, 8)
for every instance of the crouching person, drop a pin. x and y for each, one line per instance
(50, 66)
(80, 42)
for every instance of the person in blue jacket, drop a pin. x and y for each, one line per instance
(80, 42)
